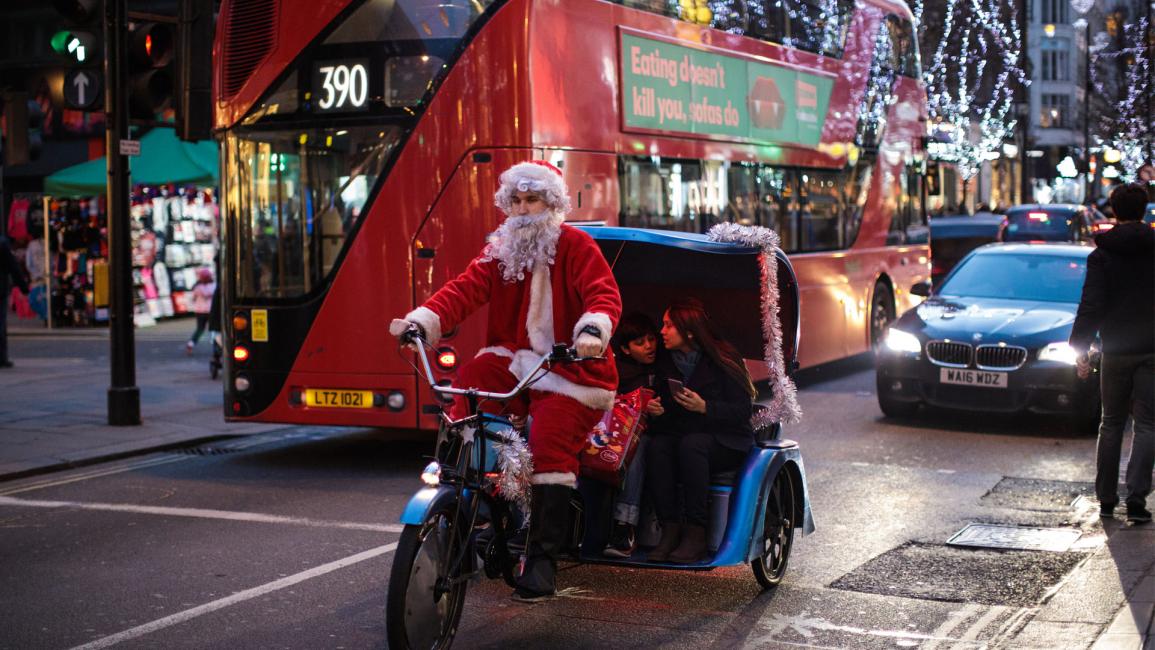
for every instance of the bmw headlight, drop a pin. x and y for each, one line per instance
(900, 341)
(1061, 352)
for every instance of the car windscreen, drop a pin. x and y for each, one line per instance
(1038, 225)
(1049, 278)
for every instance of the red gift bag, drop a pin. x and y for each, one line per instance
(614, 439)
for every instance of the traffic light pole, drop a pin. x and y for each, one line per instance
(123, 394)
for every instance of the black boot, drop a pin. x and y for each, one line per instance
(548, 529)
(692, 548)
(671, 535)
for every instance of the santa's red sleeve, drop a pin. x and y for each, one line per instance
(455, 301)
(601, 300)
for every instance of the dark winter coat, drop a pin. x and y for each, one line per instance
(10, 268)
(633, 375)
(1119, 292)
(728, 408)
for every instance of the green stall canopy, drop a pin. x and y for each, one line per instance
(163, 159)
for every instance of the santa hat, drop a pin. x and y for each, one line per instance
(537, 176)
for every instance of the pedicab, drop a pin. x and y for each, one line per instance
(459, 526)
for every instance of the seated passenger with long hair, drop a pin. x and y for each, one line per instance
(705, 429)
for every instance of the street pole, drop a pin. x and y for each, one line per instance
(123, 394)
(1025, 119)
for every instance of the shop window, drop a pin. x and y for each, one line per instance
(1055, 111)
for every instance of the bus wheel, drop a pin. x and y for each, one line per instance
(881, 313)
(777, 534)
(425, 598)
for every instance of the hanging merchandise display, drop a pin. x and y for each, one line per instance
(174, 237)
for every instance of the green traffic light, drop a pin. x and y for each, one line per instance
(60, 41)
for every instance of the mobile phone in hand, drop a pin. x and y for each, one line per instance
(675, 386)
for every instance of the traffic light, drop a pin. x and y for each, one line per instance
(194, 70)
(151, 47)
(80, 39)
(23, 124)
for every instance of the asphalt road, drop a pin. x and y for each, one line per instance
(285, 540)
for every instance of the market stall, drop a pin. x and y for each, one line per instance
(174, 219)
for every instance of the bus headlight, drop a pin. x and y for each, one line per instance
(431, 475)
(900, 341)
(1061, 352)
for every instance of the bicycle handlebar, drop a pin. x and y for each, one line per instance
(561, 353)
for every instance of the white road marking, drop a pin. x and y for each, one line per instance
(954, 619)
(108, 471)
(807, 626)
(241, 596)
(201, 513)
(973, 632)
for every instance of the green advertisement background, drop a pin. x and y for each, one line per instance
(740, 76)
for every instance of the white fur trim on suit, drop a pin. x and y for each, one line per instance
(600, 321)
(429, 321)
(554, 478)
(497, 350)
(539, 318)
(524, 361)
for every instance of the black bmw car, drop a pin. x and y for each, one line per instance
(993, 338)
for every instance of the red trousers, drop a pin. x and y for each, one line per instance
(560, 424)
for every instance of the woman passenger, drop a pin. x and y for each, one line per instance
(705, 429)
(641, 364)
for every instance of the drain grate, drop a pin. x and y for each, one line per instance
(1026, 538)
(961, 575)
(1036, 494)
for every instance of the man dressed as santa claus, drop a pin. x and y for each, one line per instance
(545, 282)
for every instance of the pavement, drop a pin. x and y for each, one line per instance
(53, 416)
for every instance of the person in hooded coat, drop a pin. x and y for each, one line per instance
(1118, 304)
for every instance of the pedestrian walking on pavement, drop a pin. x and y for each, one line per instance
(1118, 303)
(202, 301)
(8, 269)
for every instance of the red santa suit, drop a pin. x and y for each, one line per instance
(551, 300)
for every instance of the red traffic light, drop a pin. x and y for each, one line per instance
(152, 45)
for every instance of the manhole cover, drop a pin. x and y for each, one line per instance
(1018, 537)
(961, 575)
(1036, 494)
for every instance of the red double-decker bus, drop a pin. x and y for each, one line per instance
(362, 139)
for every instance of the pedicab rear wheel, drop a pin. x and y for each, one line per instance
(425, 598)
(778, 532)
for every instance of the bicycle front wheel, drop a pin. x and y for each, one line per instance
(426, 596)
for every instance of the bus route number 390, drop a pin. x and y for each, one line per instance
(341, 86)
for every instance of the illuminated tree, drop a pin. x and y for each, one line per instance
(971, 78)
(1121, 75)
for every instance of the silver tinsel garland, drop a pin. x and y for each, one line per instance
(515, 468)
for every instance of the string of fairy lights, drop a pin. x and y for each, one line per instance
(971, 81)
(1124, 118)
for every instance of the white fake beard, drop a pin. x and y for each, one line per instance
(521, 243)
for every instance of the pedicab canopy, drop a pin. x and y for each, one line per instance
(163, 159)
(738, 272)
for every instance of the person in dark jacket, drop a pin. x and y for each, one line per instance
(642, 363)
(705, 429)
(1118, 303)
(8, 269)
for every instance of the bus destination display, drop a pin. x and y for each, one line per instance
(340, 86)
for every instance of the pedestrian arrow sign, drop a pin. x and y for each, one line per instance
(83, 89)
